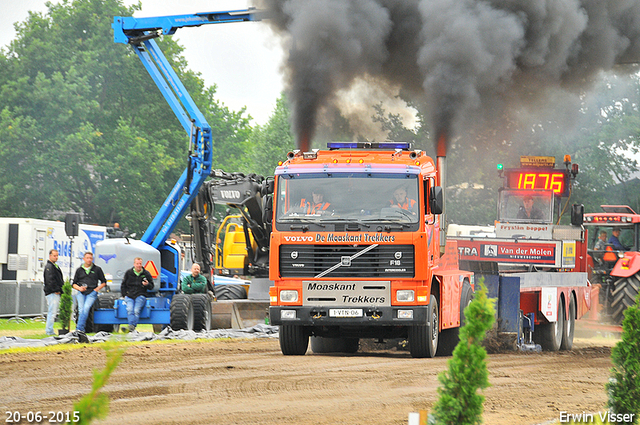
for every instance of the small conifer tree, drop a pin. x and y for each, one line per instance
(95, 405)
(459, 402)
(624, 387)
(66, 304)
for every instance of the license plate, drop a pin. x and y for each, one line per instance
(345, 312)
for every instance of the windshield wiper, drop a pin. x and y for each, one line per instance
(300, 220)
(347, 220)
(394, 221)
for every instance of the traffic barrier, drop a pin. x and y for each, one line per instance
(22, 299)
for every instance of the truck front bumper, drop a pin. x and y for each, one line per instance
(371, 316)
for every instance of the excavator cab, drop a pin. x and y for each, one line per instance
(232, 255)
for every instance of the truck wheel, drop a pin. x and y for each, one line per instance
(624, 296)
(550, 334)
(106, 301)
(230, 292)
(320, 345)
(201, 312)
(181, 312)
(422, 342)
(569, 326)
(293, 340)
(449, 338)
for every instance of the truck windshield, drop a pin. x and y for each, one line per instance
(347, 198)
(519, 206)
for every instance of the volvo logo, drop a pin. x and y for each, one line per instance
(230, 194)
(398, 255)
(294, 254)
(345, 261)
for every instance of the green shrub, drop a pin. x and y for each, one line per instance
(95, 405)
(624, 386)
(66, 304)
(459, 402)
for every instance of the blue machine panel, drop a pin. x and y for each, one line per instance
(509, 304)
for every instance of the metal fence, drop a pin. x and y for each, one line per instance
(22, 299)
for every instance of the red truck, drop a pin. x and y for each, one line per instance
(543, 265)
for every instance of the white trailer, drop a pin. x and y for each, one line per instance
(25, 245)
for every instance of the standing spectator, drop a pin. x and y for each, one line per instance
(88, 281)
(135, 284)
(195, 283)
(53, 282)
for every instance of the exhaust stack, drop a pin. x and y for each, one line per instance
(441, 164)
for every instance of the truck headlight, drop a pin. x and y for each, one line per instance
(288, 296)
(405, 295)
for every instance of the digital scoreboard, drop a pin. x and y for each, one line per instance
(538, 179)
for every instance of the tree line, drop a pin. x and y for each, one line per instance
(84, 128)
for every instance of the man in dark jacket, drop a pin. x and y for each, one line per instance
(88, 281)
(53, 282)
(135, 284)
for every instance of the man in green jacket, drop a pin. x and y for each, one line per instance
(195, 283)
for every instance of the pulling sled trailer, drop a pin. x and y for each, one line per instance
(536, 269)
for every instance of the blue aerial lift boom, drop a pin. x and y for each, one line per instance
(116, 255)
(140, 34)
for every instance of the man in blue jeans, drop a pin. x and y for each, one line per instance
(53, 282)
(88, 281)
(135, 284)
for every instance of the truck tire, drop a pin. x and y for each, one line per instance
(624, 296)
(230, 292)
(550, 334)
(201, 312)
(449, 338)
(294, 341)
(569, 326)
(423, 343)
(106, 301)
(320, 345)
(181, 312)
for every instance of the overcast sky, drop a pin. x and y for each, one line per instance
(242, 59)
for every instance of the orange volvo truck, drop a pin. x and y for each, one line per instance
(356, 251)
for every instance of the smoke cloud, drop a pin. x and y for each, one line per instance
(449, 57)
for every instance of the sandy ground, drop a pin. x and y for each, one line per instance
(251, 382)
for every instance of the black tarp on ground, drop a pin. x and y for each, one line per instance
(258, 331)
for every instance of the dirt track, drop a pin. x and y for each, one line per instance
(251, 382)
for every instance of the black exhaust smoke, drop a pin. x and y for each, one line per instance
(448, 57)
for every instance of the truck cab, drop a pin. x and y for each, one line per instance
(355, 250)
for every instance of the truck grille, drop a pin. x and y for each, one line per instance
(384, 261)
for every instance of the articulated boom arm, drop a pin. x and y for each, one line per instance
(140, 34)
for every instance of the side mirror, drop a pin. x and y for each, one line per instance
(436, 200)
(267, 215)
(577, 214)
(267, 186)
